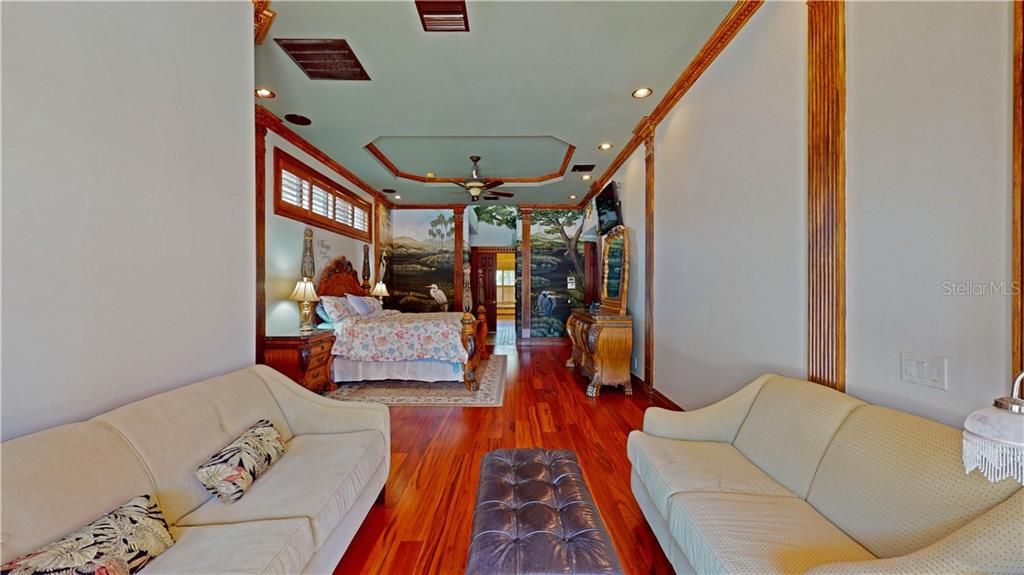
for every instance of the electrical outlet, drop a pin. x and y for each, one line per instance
(926, 370)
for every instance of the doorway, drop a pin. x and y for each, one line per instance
(493, 283)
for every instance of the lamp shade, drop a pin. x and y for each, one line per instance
(304, 291)
(379, 290)
(994, 438)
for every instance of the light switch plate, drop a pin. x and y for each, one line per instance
(923, 369)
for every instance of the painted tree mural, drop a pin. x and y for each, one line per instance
(556, 263)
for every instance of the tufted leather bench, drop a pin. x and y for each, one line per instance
(534, 514)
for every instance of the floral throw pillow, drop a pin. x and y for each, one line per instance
(231, 472)
(121, 542)
(337, 308)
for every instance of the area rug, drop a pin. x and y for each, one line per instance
(445, 393)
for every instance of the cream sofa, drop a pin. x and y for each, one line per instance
(298, 517)
(786, 476)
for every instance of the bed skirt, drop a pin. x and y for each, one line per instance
(419, 370)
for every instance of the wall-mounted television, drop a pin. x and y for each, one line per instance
(609, 210)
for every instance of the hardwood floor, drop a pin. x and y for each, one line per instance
(424, 525)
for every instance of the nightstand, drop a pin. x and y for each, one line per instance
(306, 358)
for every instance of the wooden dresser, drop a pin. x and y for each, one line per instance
(601, 347)
(306, 358)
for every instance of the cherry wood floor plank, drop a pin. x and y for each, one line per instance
(425, 522)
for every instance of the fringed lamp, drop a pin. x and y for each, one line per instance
(994, 438)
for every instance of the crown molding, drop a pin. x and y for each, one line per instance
(720, 38)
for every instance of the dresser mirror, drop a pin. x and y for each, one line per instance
(615, 279)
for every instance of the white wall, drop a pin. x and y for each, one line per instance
(128, 235)
(928, 164)
(632, 181)
(730, 217)
(284, 237)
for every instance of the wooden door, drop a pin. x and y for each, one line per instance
(485, 266)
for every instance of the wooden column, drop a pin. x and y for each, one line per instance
(458, 213)
(826, 191)
(1018, 184)
(648, 138)
(261, 248)
(525, 215)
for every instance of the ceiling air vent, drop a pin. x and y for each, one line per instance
(583, 168)
(324, 59)
(443, 15)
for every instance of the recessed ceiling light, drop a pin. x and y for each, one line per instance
(604, 146)
(265, 93)
(585, 177)
(430, 174)
(572, 197)
(641, 93)
(398, 197)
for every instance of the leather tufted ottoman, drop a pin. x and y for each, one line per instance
(534, 514)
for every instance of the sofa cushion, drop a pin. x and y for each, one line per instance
(232, 470)
(739, 533)
(669, 466)
(281, 546)
(895, 482)
(789, 426)
(318, 477)
(122, 541)
(63, 478)
(176, 431)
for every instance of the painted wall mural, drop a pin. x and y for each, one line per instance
(556, 270)
(421, 264)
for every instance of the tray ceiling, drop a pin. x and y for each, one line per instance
(528, 80)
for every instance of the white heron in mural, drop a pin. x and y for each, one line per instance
(439, 297)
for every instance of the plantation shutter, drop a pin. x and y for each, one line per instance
(305, 195)
(361, 220)
(322, 201)
(343, 212)
(294, 190)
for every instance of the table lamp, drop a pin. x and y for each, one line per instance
(305, 294)
(994, 438)
(380, 291)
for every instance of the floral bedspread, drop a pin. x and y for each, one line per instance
(395, 336)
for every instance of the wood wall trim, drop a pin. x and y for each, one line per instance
(385, 161)
(826, 192)
(720, 38)
(1018, 189)
(457, 222)
(526, 216)
(261, 233)
(266, 118)
(654, 397)
(648, 137)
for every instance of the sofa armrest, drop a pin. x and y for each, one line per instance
(309, 413)
(991, 543)
(717, 422)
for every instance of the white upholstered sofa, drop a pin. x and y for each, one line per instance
(786, 476)
(298, 517)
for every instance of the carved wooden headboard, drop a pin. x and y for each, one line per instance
(339, 278)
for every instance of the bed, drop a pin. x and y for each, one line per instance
(408, 346)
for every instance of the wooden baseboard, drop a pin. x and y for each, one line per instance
(656, 398)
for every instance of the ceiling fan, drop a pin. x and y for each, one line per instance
(478, 188)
